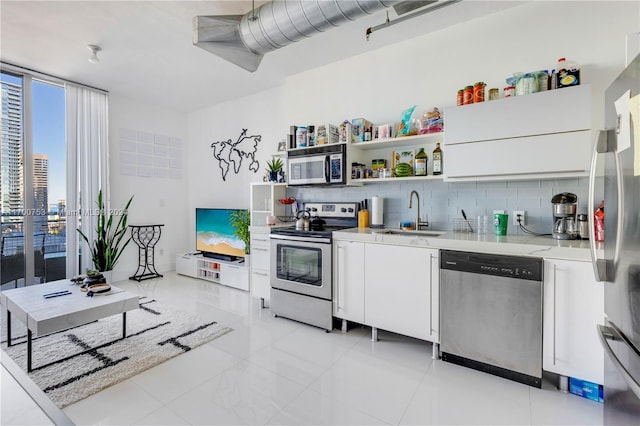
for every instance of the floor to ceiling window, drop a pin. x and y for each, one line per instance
(33, 181)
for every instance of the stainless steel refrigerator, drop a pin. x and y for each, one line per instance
(615, 177)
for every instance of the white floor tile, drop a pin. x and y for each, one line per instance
(120, 404)
(552, 407)
(312, 408)
(16, 407)
(285, 364)
(179, 375)
(451, 394)
(381, 388)
(161, 417)
(242, 394)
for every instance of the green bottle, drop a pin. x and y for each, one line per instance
(421, 163)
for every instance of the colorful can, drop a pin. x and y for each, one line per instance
(467, 95)
(494, 94)
(478, 92)
(301, 137)
(509, 91)
(460, 97)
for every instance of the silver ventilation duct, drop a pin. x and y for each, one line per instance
(243, 40)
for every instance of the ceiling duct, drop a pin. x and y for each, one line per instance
(243, 40)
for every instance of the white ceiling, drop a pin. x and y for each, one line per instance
(148, 53)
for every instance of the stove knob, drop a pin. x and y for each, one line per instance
(343, 210)
(350, 209)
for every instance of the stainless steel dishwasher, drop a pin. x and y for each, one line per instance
(491, 314)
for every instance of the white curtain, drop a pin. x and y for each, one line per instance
(87, 168)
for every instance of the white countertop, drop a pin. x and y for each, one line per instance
(520, 245)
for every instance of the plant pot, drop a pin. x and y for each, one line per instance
(108, 275)
(273, 176)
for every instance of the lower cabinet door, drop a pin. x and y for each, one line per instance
(348, 280)
(398, 289)
(573, 306)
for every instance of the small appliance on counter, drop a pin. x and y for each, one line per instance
(565, 226)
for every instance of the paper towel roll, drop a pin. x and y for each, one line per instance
(377, 209)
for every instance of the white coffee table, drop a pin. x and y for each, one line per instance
(44, 316)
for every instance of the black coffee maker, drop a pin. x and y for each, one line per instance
(565, 226)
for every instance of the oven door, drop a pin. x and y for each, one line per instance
(301, 267)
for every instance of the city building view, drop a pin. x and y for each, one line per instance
(48, 219)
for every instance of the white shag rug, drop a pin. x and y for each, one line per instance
(155, 333)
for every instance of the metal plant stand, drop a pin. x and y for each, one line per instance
(146, 237)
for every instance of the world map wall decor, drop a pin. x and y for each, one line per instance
(232, 153)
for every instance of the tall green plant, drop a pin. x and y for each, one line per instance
(110, 241)
(240, 220)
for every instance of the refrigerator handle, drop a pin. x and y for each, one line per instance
(600, 147)
(607, 333)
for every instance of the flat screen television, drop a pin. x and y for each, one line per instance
(215, 236)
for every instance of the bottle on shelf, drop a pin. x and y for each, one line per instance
(437, 160)
(421, 163)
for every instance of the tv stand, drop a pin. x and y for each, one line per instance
(233, 273)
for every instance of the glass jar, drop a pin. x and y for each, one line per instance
(467, 95)
(478, 92)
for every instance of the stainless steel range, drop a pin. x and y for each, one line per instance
(301, 287)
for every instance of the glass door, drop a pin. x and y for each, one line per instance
(33, 174)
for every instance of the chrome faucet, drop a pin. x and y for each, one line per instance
(419, 223)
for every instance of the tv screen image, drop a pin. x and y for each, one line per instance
(215, 237)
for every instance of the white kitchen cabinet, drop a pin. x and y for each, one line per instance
(401, 290)
(349, 281)
(260, 266)
(543, 135)
(573, 306)
(265, 202)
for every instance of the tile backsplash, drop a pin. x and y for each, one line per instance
(441, 202)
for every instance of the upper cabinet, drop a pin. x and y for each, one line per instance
(536, 136)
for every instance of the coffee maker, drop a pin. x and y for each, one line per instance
(564, 207)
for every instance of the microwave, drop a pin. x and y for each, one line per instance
(319, 165)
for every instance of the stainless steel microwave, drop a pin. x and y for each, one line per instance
(319, 165)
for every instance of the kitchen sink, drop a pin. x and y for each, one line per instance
(412, 233)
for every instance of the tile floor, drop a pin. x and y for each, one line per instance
(276, 371)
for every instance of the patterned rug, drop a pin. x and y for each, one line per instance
(155, 333)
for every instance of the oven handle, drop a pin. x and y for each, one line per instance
(301, 239)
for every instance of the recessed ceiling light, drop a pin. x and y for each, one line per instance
(94, 53)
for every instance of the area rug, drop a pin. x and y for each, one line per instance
(155, 333)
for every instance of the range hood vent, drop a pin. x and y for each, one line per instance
(243, 40)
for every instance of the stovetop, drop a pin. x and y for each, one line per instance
(336, 216)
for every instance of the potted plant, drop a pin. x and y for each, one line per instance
(110, 239)
(273, 167)
(240, 220)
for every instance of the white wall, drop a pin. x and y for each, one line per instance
(261, 114)
(425, 71)
(157, 200)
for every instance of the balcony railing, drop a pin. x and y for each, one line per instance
(49, 251)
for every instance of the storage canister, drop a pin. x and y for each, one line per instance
(301, 137)
(494, 94)
(460, 97)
